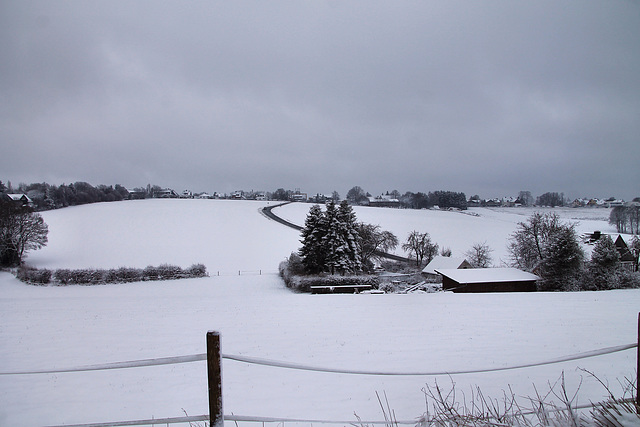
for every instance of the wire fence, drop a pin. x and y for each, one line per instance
(222, 273)
(300, 366)
(289, 365)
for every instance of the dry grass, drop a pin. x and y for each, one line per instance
(449, 407)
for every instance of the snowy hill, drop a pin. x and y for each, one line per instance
(460, 230)
(42, 327)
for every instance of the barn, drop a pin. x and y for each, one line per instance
(488, 280)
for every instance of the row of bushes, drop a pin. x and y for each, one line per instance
(292, 272)
(88, 276)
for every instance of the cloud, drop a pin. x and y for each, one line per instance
(484, 97)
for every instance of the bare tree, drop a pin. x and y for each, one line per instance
(479, 256)
(356, 195)
(21, 230)
(530, 238)
(420, 247)
(374, 240)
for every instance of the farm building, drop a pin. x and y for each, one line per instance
(18, 199)
(627, 259)
(383, 201)
(443, 263)
(488, 280)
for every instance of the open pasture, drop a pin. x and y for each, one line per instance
(57, 327)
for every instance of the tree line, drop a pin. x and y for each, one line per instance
(444, 199)
(626, 218)
(46, 196)
(550, 248)
(21, 230)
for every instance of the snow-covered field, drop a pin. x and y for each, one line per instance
(50, 327)
(460, 230)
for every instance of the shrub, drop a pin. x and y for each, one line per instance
(290, 273)
(388, 288)
(151, 273)
(629, 279)
(62, 276)
(127, 274)
(197, 270)
(33, 275)
(86, 276)
(111, 276)
(169, 272)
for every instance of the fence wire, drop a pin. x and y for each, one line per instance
(283, 421)
(288, 365)
(299, 366)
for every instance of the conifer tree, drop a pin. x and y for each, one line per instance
(333, 241)
(313, 252)
(562, 260)
(330, 241)
(348, 229)
(605, 264)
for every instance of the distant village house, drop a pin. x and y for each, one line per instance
(18, 199)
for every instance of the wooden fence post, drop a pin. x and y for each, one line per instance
(214, 373)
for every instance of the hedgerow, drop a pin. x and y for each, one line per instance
(33, 275)
(291, 271)
(89, 276)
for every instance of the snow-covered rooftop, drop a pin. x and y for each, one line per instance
(442, 263)
(18, 196)
(483, 275)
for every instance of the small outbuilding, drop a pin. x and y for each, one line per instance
(443, 263)
(488, 280)
(627, 259)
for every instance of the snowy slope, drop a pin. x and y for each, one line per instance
(460, 230)
(222, 234)
(43, 327)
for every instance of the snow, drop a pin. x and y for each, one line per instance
(442, 262)
(460, 230)
(483, 275)
(49, 327)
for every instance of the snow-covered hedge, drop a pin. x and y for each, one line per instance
(87, 276)
(33, 275)
(293, 278)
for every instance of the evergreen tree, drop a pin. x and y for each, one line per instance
(605, 264)
(330, 240)
(313, 252)
(562, 260)
(349, 235)
(333, 241)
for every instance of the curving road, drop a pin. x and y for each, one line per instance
(268, 212)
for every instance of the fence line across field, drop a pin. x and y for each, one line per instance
(236, 419)
(221, 273)
(214, 357)
(300, 366)
(259, 419)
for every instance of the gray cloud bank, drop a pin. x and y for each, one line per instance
(485, 97)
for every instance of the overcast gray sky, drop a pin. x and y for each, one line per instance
(485, 97)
